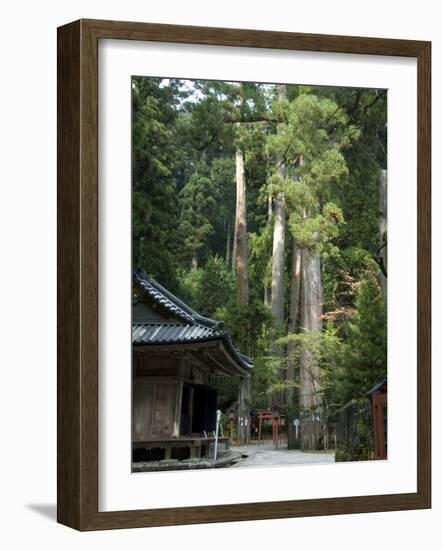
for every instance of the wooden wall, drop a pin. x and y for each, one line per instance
(156, 407)
(157, 392)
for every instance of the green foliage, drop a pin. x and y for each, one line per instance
(359, 200)
(260, 259)
(209, 288)
(350, 454)
(314, 130)
(198, 201)
(250, 328)
(317, 232)
(326, 349)
(248, 325)
(349, 365)
(222, 174)
(341, 275)
(366, 359)
(310, 143)
(331, 143)
(154, 204)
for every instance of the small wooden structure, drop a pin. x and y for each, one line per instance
(177, 356)
(278, 421)
(379, 407)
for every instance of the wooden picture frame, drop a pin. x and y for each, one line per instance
(77, 461)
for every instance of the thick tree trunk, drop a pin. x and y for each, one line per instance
(278, 259)
(294, 312)
(277, 290)
(383, 229)
(310, 398)
(295, 288)
(242, 281)
(311, 322)
(194, 265)
(267, 288)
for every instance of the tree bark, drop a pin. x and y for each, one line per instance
(277, 289)
(242, 281)
(278, 259)
(310, 397)
(267, 288)
(311, 321)
(194, 265)
(279, 241)
(294, 311)
(383, 229)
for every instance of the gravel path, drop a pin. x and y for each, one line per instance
(266, 455)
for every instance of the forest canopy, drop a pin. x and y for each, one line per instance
(259, 204)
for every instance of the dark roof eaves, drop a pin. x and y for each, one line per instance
(238, 357)
(241, 358)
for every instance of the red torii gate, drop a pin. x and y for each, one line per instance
(275, 417)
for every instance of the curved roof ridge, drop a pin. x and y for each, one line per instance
(165, 298)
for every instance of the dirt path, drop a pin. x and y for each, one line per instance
(266, 455)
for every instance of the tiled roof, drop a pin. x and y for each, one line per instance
(165, 299)
(162, 333)
(190, 326)
(160, 298)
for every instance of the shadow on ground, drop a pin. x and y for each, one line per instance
(48, 511)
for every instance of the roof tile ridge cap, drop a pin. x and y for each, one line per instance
(146, 280)
(179, 304)
(209, 323)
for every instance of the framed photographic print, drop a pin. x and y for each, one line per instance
(233, 342)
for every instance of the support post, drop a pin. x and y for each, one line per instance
(218, 418)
